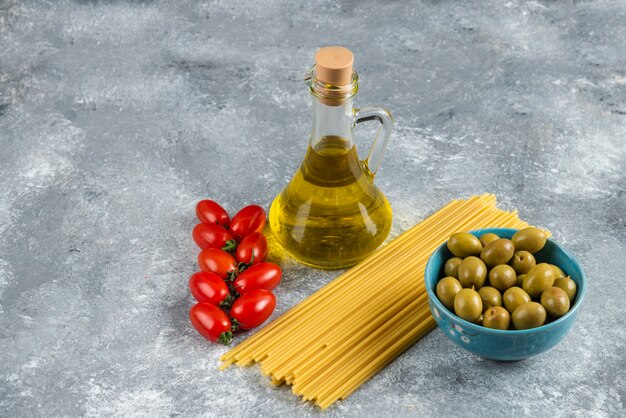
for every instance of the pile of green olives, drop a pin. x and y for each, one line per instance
(497, 283)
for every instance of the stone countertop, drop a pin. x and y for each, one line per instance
(116, 117)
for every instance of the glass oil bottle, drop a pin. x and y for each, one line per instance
(331, 215)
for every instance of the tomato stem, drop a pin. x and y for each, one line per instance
(225, 338)
(235, 325)
(227, 302)
(232, 275)
(243, 266)
(230, 246)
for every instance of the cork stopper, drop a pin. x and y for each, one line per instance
(333, 65)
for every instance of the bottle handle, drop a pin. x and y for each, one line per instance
(381, 115)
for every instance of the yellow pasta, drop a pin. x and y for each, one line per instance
(335, 340)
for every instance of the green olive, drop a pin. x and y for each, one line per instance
(487, 238)
(558, 273)
(463, 244)
(467, 305)
(451, 267)
(472, 272)
(538, 279)
(568, 285)
(490, 297)
(479, 321)
(502, 277)
(528, 315)
(522, 261)
(446, 290)
(529, 239)
(497, 252)
(514, 297)
(496, 317)
(520, 280)
(555, 301)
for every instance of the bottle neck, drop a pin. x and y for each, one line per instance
(332, 121)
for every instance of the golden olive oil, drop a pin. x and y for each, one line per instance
(331, 215)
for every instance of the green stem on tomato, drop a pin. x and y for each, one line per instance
(230, 246)
(235, 325)
(232, 275)
(228, 301)
(225, 338)
(243, 266)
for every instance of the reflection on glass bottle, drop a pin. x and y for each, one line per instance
(331, 215)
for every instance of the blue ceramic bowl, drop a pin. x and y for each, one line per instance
(498, 344)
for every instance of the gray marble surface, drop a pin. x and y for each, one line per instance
(117, 116)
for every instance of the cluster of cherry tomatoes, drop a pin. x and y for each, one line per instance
(234, 286)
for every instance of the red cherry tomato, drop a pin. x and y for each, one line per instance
(208, 287)
(252, 249)
(253, 308)
(211, 212)
(247, 221)
(260, 276)
(212, 236)
(211, 322)
(214, 260)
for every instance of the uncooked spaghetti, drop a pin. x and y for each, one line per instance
(335, 340)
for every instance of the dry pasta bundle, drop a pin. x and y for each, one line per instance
(335, 340)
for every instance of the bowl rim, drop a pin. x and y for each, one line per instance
(580, 295)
